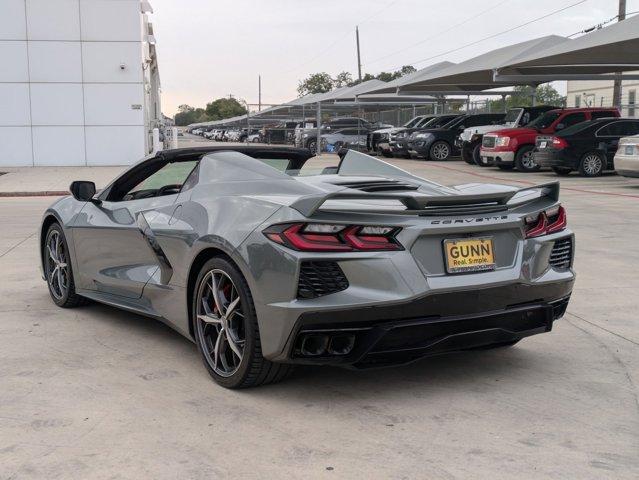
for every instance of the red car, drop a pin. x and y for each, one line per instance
(512, 147)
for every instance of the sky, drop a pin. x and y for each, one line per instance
(213, 48)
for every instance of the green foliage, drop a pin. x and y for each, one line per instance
(522, 97)
(187, 115)
(315, 83)
(224, 108)
(323, 82)
(343, 79)
(215, 110)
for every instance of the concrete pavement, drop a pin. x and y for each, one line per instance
(94, 392)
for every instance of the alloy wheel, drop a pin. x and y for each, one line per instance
(592, 164)
(57, 267)
(221, 322)
(528, 161)
(440, 151)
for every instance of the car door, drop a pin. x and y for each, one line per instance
(115, 250)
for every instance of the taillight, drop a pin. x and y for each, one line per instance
(559, 143)
(321, 237)
(549, 221)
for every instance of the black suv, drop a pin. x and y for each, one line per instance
(588, 147)
(439, 143)
(399, 141)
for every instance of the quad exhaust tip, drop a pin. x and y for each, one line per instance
(316, 344)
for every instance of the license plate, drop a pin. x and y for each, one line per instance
(469, 255)
(630, 149)
(543, 144)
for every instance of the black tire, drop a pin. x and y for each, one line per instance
(505, 166)
(477, 155)
(311, 146)
(524, 161)
(439, 151)
(253, 369)
(256, 140)
(467, 155)
(65, 298)
(591, 164)
(562, 171)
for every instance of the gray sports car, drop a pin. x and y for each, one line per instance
(268, 257)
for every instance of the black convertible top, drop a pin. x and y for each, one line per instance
(298, 156)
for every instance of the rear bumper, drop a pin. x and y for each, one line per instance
(388, 336)
(627, 165)
(554, 158)
(489, 157)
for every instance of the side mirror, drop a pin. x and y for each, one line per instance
(82, 191)
(560, 126)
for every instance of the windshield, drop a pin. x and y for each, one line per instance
(512, 115)
(413, 121)
(545, 121)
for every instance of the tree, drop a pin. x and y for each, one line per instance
(184, 108)
(343, 79)
(186, 115)
(315, 83)
(522, 97)
(224, 108)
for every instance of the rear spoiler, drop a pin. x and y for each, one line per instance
(420, 203)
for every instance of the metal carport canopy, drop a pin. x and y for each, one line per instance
(474, 75)
(391, 87)
(611, 49)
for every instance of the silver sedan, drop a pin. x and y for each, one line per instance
(627, 157)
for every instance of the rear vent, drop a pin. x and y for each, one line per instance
(320, 278)
(379, 186)
(561, 255)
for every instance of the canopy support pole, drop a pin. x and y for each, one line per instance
(318, 114)
(503, 103)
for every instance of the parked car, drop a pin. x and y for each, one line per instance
(512, 147)
(470, 139)
(302, 128)
(263, 268)
(254, 137)
(209, 133)
(627, 157)
(349, 122)
(347, 137)
(233, 135)
(279, 134)
(219, 135)
(378, 141)
(439, 143)
(588, 147)
(399, 141)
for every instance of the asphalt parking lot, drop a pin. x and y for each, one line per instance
(94, 392)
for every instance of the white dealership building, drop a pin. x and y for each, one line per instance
(79, 82)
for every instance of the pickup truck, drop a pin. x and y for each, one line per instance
(469, 142)
(512, 147)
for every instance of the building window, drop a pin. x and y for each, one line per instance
(632, 97)
(577, 101)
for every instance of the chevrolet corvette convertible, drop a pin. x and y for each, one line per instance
(267, 257)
